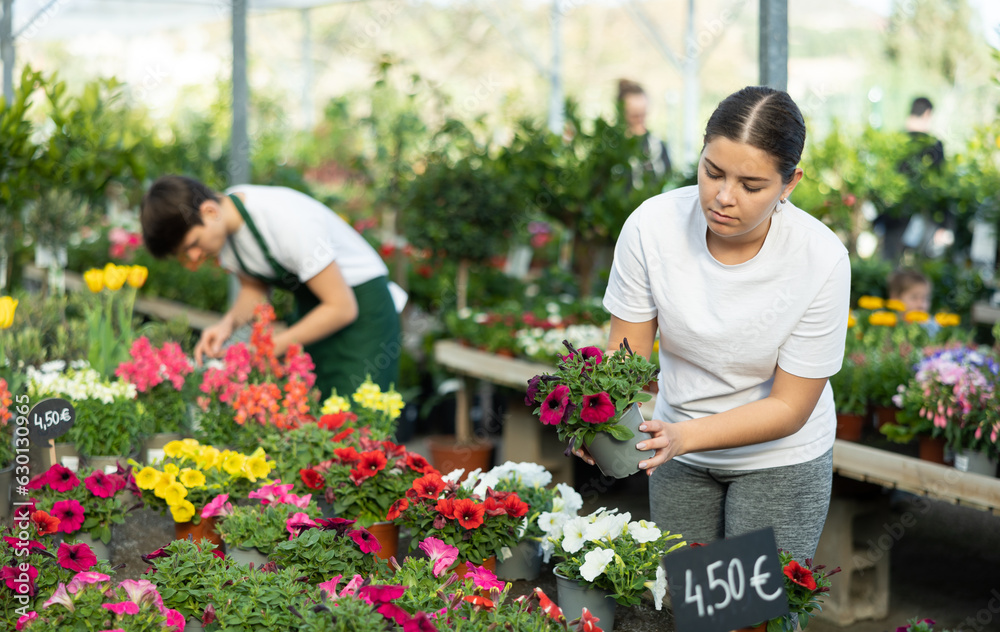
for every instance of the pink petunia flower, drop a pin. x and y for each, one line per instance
(554, 406)
(367, 542)
(100, 484)
(122, 607)
(352, 586)
(14, 579)
(484, 578)
(61, 597)
(597, 409)
(218, 506)
(298, 522)
(76, 557)
(70, 515)
(62, 479)
(442, 555)
(330, 586)
(175, 621)
(291, 499)
(85, 578)
(380, 594)
(25, 619)
(141, 591)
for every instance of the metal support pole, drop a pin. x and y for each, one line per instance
(774, 44)
(308, 117)
(7, 50)
(556, 114)
(239, 160)
(692, 88)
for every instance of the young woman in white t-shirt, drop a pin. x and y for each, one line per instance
(750, 297)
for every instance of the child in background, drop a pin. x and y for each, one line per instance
(913, 289)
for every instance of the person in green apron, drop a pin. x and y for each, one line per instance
(345, 314)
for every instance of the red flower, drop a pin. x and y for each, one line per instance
(372, 462)
(343, 434)
(592, 356)
(588, 622)
(397, 508)
(469, 513)
(39, 481)
(494, 507)
(347, 455)
(481, 602)
(76, 557)
(597, 409)
(312, 478)
(393, 450)
(554, 406)
(515, 506)
(100, 484)
(429, 486)
(365, 540)
(548, 606)
(418, 463)
(62, 479)
(44, 523)
(801, 576)
(70, 515)
(446, 507)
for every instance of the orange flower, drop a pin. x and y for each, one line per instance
(916, 316)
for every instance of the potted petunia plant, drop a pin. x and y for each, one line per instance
(252, 531)
(805, 585)
(593, 401)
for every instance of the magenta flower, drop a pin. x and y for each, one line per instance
(269, 493)
(70, 515)
(61, 597)
(24, 619)
(13, 577)
(18, 543)
(592, 356)
(62, 479)
(76, 557)
(82, 579)
(122, 607)
(352, 586)
(340, 525)
(365, 540)
(484, 578)
(394, 613)
(420, 622)
(297, 523)
(380, 594)
(100, 484)
(532, 394)
(291, 499)
(39, 481)
(441, 554)
(141, 591)
(175, 621)
(217, 507)
(597, 409)
(114, 630)
(330, 586)
(554, 406)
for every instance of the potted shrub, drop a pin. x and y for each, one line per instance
(362, 484)
(86, 509)
(589, 572)
(592, 400)
(160, 379)
(479, 526)
(184, 573)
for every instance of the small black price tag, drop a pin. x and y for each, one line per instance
(51, 418)
(727, 584)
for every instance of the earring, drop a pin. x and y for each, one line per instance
(783, 200)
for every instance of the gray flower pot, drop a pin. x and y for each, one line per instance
(246, 557)
(975, 462)
(573, 598)
(525, 562)
(620, 458)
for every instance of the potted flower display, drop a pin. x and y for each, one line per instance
(592, 400)
(252, 391)
(252, 531)
(91, 601)
(479, 526)
(368, 408)
(607, 558)
(918, 625)
(6, 448)
(86, 506)
(319, 549)
(301, 448)
(950, 398)
(851, 385)
(109, 314)
(805, 586)
(363, 483)
(191, 475)
(160, 379)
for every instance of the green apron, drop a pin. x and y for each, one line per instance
(370, 346)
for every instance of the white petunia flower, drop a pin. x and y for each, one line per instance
(548, 548)
(552, 523)
(571, 500)
(643, 531)
(472, 479)
(595, 562)
(453, 476)
(659, 587)
(573, 538)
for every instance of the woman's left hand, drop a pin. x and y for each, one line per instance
(666, 439)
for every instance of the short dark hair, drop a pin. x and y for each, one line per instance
(627, 87)
(921, 105)
(764, 118)
(903, 279)
(169, 209)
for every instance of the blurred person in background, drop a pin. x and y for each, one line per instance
(655, 159)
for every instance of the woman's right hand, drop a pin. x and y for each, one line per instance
(212, 339)
(584, 454)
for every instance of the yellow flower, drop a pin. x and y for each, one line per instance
(137, 276)
(916, 316)
(172, 469)
(871, 302)
(166, 480)
(7, 307)
(114, 276)
(947, 319)
(207, 458)
(147, 478)
(895, 305)
(174, 449)
(192, 478)
(851, 321)
(257, 467)
(94, 279)
(656, 346)
(883, 319)
(335, 404)
(174, 493)
(234, 463)
(183, 511)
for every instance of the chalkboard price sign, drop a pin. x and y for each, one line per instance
(51, 418)
(727, 584)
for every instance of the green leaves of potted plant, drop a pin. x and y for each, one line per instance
(592, 400)
(327, 547)
(260, 527)
(805, 586)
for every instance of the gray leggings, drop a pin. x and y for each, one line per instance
(704, 504)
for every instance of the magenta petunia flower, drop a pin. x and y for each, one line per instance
(297, 523)
(61, 597)
(597, 409)
(100, 484)
(122, 607)
(330, 585)
(554, 406)
(13, 578)
(365, 540)
(62, 479)
(18, 543)
(484, 578)
(25, 619)
(380, 594)
(175, 621)
(70, 515)
(82, 579)
(592, 356)
(442, 555)
(395, 614)
(76, 557)
(217, 507)
(39, 481)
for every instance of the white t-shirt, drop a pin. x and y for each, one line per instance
(724, 328)
(303, 235)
